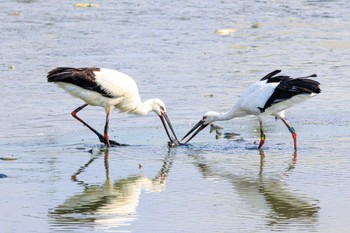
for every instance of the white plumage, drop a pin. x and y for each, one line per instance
(120, 86)
(109, 89)
(272, 95)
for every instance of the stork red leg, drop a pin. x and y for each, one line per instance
(100, 136)
(107, 141)
(106, 130)
(262, 135)
(292, 131)
(74, 114)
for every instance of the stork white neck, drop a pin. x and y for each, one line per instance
(155, 105)
(224, 116)
(144, 108)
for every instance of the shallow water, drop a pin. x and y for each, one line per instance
(63, 180)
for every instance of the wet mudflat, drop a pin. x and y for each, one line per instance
(195, 56)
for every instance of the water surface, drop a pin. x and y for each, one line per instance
(64, 180)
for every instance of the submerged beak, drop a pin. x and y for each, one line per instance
(200, 125)
(166, 121)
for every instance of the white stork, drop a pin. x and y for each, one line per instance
(109, 89)
(272, 95)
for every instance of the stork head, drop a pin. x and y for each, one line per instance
(159, 108)
(208, 118)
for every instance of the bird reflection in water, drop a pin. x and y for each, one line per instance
(266, 196)
(112, 204)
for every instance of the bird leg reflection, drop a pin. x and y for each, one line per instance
(264, 192)
(82, 168)
(262, 160)
(294, 161)
(291, 166)
(110, 204)
(165, 169)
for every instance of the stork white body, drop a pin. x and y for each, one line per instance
(272, 95)
(125, 93)
(109, 89)
(257, 95)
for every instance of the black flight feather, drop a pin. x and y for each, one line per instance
(289, 87)
(81, 77)
(270, 75)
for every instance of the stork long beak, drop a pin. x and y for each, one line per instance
(166, 122)
(200, 125)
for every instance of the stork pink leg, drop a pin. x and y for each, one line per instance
(106, 130)
(74, 114)
(262, 135)
(104, 139)
(292, 131)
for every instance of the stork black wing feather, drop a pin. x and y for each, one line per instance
(81, 77)
(289, 87)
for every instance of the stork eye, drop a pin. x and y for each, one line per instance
(205, 117)
(162, 108)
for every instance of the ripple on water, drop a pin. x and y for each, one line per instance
(171, 50)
